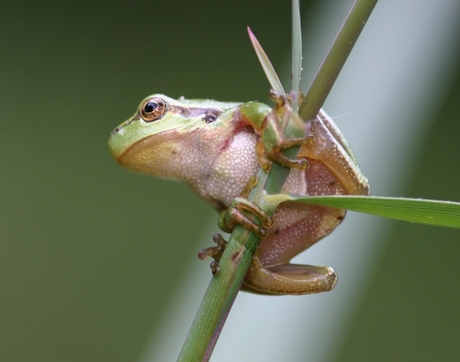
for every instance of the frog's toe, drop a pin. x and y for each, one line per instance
(214, 252)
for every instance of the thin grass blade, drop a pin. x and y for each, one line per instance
(296, 49)
(267, 66)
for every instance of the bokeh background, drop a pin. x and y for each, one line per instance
(92, 256)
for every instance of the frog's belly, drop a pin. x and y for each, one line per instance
(230, 172)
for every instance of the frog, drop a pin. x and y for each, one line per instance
(217, 148)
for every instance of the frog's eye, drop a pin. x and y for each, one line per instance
(153, 109)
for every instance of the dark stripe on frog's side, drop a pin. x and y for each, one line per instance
(190, 112)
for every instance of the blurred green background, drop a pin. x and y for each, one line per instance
(89, 253)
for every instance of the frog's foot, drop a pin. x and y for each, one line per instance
(288, 278)
(235, 214)
(214, 252)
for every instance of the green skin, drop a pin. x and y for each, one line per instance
(217, 147)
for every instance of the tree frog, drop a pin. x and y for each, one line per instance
(212, 147)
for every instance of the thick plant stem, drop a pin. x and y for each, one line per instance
(235, 261)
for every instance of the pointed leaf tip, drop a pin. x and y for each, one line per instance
(270, 72)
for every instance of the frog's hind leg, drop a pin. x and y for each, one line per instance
(288, 278)
(297, 227)
(328, 146)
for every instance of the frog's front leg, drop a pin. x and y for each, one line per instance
(272, 140)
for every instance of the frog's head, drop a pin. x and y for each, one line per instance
(144, 142)
(147, 121)
(160, 131)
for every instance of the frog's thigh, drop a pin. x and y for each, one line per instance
(291, 279)
(322, 146)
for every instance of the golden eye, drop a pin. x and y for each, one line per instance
(153, 109)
